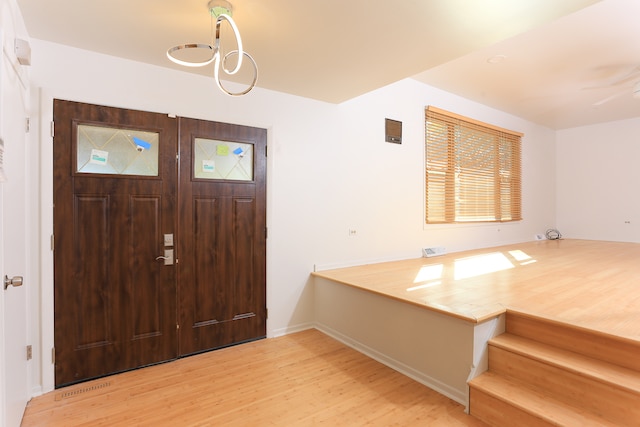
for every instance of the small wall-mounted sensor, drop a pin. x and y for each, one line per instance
(23, 51)
(393, 131)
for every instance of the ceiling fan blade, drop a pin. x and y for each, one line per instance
(631, 75)
(610, 98)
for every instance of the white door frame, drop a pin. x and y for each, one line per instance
(43, 326)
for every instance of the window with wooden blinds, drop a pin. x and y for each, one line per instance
(473, 171)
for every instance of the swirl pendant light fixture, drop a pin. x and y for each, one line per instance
(220, 11)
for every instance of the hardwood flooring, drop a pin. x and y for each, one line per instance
(308, 379)
(302, 379)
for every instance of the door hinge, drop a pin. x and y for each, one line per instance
(266, 151)
(27, 125)
(53, 355)
(53, 129)
(266, 312)
(266, 232)
(29, 352)
(53, 242)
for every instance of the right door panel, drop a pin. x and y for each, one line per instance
(222, 248)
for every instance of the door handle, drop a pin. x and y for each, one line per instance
(168, 257)
(14, 281)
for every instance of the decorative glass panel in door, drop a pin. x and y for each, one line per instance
(223, 160)
(115, 151)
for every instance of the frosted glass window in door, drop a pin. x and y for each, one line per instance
(223, 160)
(113, 151)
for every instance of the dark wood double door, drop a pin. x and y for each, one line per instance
(121, 302)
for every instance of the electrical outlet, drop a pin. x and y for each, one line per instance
(352, 232)
(433, 251)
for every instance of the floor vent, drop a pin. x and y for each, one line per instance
(73, 393)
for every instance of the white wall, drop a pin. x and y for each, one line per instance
(597, 179)
(329, 169)
(377, 188)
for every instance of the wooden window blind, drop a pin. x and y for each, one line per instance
(473, 170)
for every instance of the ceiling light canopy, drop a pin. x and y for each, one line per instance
(496, 59)
(220, 12)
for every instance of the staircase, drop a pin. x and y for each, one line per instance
(546, 373)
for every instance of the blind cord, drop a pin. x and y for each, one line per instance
(553, 234)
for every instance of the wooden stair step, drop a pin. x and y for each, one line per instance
(614, 349)
(611, 391)
(598, 370)
(500, 401)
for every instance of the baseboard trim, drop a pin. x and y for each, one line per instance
(290, 330)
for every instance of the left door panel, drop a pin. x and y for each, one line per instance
(114, 198)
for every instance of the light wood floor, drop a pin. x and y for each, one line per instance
(302, 379)
(592, 284)
(310, 379)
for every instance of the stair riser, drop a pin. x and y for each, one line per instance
(605, 399)
(616, 350)
(498, 413)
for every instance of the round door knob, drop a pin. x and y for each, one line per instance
(14, 281)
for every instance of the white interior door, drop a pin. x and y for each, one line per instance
(13, 214)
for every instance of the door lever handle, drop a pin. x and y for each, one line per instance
(14, 281)
(168, 257)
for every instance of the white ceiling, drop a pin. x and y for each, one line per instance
(333, 50)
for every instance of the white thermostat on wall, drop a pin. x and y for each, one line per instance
(433, 251)
(23, 51)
